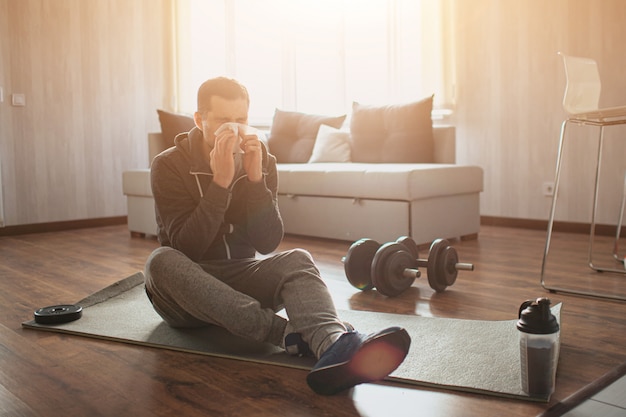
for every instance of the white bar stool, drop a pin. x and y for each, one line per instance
(580, 101)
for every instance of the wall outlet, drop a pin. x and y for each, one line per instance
(548, 188)
(18, 100)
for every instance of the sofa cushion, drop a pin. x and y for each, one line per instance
(292, 135)
(392, 133)
(331, 145)
(392, 181)
(174, 123)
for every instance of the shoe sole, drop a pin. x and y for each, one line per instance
(375, 360)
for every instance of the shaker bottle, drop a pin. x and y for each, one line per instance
(539, 347)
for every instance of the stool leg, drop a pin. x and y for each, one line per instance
(594, 211)
(557, 177)
(594, 207)
(618, 230)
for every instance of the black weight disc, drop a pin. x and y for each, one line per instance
(58, 314)
(388, 267)
(451, 258)
(410, 245)
(358, 263)
(436, 265)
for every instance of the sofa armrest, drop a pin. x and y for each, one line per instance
(445, 144)
(156, 145)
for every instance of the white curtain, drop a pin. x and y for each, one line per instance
(315, 56)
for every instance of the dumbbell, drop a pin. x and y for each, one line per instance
(393, 267)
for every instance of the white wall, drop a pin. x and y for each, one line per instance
(509, 86)
(93, 74)
(95, 71)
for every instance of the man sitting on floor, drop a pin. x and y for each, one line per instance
(216, 204)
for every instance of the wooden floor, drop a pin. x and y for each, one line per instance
(46, 374)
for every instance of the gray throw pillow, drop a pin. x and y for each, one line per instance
(392, 133)
(292, 135)
(174, 123)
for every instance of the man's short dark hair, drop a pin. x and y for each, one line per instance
(227, 88)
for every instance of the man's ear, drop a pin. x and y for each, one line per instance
(197, 118)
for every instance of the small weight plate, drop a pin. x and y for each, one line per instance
(436, 267)
(388, 266)
(358, 263)
(410, 245)
(58, 314)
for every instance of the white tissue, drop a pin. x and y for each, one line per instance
(230, 125)
(240, 130)
(234, 127)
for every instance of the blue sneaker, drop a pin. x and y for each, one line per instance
(356, 358)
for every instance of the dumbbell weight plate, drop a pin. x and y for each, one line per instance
(388, 267)
(410, 245)
(358, 263)
(451, 258)
(442, 259)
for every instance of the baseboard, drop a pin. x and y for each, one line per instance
(558, 226)
(532, 224)
(60, 226)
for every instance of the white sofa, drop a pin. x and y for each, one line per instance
(350, 200)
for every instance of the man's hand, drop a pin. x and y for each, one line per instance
(252, 157)
(221, 158)
(223, 164)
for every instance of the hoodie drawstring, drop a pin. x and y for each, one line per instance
(198, 184)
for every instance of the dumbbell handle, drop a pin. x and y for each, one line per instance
(459, 266)
(415, 273)
(408, 272)
(411, 273)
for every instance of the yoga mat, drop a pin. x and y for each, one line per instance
(465, 355)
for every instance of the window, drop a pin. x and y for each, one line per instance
(313, 56)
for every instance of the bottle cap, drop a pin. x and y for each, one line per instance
(535, 317)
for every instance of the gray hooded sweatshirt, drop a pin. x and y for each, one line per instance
(205, 221)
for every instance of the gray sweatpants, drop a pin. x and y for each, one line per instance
(243, 296)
